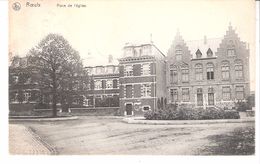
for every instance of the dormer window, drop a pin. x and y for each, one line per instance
(198, 54)
(209, 53)
(178, 53)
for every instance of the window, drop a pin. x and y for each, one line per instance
(185, 94)
(210, 96)
(231, 52)
(198, 54)
(209, 53)
(128, 52)
(98, 84)
(99, 70)
(129, 70)
(146, 90)
(210, 71)
(128, 91)
(240, 92)
(110, 69)
(173, 95)
(231, 48)
(173, 75)
(198, 72)
(226, 93)
(238, 69)
(146, 69)
(27, 96)
(199, 97)
(16, 79)
(178, 53)
(115, 83)
(146, 108)
(185, 74)
(225, 70)
(109, 84)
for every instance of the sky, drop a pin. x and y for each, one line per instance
(103, 27)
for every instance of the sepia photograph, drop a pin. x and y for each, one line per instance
(121, 77)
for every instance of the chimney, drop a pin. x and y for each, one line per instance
(110, 59)
(205, 39)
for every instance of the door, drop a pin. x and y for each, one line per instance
(129, 109)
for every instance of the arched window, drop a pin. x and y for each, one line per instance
(198, 53)
(210, 71)
(178, 53)
(209, 53)
(231, 48)
(239, 69)
(185, 73)
(173, 74)
(198, 72)
(225, 69)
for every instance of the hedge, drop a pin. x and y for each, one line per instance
(191, 114)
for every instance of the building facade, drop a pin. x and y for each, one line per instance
(208, 72)
(198, 74)
(141, 78)
(103, 90)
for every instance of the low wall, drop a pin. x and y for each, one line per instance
(29, 110)
(21, 109)
(100, 111)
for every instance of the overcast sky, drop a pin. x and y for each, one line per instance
(103, 27)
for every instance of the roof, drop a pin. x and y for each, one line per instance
(203, 45)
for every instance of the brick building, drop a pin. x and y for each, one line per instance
(141, 78)
(198, 73)
(208, 72)
(104, 86)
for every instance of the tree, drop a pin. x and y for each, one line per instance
(57, 63)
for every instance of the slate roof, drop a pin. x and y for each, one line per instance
(212, 43)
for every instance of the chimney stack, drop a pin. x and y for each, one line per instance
(205, 39)
(110, 59)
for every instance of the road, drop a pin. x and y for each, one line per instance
(111, 136)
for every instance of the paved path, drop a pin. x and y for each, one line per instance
(23, 141)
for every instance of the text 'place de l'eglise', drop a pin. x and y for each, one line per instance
(200, 73)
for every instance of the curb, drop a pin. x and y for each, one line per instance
(45, 119)
(52, 150)
(141, 120)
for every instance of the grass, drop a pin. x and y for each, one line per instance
(239, 142)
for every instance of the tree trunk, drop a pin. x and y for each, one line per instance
(54, 99)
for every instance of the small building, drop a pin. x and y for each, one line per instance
(141, 78)
(103, 90)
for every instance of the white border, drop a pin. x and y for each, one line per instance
(104, 159)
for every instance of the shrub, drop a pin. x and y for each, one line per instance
(243, 106)
(231, 114)
(191, 114)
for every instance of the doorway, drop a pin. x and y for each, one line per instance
(129, 109)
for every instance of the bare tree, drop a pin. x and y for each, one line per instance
(57, 63)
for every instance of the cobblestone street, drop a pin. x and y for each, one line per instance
(22, 140)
